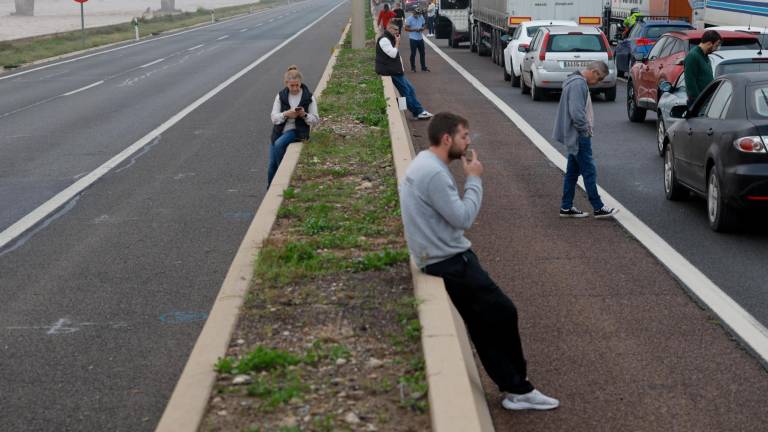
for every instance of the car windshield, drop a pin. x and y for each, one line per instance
(731, 44)
(655, 32)
(743, 66)
(760, 98)
(575, 43)
(532, 30)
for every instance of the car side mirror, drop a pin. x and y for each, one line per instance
(665, 87)
(679, 111)
(505, 38)
(640, 57)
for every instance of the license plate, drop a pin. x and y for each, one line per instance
(576, 63)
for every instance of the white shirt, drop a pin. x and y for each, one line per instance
(312, 118)
(387, 47)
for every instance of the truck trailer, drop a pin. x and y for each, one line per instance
(753, 13)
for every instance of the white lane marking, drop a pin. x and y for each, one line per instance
(243, 30)
(257, 25)
(128, 46)
(223, 37)
(731, 313)
(83, 88)
(271, 20)
(60, 199)
(152, 63)
(195, 47)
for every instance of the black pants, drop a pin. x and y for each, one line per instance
(490, 317)
(417, 45)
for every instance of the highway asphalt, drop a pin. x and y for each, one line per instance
(629, 168)
(102, 305)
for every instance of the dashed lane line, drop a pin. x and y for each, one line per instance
(84, 88)
(152, 63)
(741, 322)
(223, 37)
(41, 213)
(195, 47)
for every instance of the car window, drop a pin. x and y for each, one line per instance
(702, 103)
(532, 30)
(720, 101)
(678, 47)
(535, 41)
(680, 83)
(658, 47)
(516, 33)
(739, 43)
(635, 33)
(760, 99)
(575, 43)
(654, 32)
(763, 40)
(668, 48)
(747, 65)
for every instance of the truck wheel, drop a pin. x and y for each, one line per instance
(610, 94)
(537, 93)
(507, 76)
(494, 48)
(524, 89)
(516, 80)
(634, 112)
(472, 40)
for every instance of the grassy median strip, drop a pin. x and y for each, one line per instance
(15, 53)
(329, 339)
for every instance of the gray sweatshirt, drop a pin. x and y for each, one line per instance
(434, 215)
(574, 114)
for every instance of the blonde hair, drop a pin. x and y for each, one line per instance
(293, 73)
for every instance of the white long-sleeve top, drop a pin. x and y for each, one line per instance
(313, 117)
(387, 47)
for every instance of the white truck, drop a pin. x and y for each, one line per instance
(753, 13)
(487, 24)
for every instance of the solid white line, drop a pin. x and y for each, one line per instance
(243, 30)
(83, 88)
(731, 313)
(60, 199)
(223, 37)
(152, 63)
(129, 45)
(195, 47)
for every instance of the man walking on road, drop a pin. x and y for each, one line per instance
(698, 68)
(573, 127)
(415, 26)
(388, 63)
(435, 217)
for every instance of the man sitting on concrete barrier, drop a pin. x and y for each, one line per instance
(435, 217)
(388, 63)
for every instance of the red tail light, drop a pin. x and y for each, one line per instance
(522, 47)
(644, 42)
(750, 144)
(543, 52)
(607, 46)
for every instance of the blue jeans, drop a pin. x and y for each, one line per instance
(431, 25)
(417, 45)
(581, 164)
(406, 90)
(277, 151)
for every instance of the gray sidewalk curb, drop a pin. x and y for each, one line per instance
(456, 396)
(189, 401)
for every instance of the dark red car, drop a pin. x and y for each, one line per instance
(665, 63)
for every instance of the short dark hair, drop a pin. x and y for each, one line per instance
(710, 36)
(444, 123)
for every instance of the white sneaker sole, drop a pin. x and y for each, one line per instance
(610, 215)
(583, 215)
(522, 406)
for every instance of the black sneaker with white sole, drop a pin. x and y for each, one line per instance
(572, 212)
(605, 212)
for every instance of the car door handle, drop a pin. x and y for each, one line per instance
(690, 131)
(710, 132)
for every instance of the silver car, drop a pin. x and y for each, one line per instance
(674, 94)
(556, 52)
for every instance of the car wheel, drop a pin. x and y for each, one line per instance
(634, 112)
(661, 134)
(507, 77)
(719, 214)
(672, 189)
(610, 94)
(537, 93)
(524, 89)
(516, 80)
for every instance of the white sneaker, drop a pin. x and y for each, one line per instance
(424, 115)
(534, 400)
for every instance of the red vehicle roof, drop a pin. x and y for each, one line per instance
(725, 34)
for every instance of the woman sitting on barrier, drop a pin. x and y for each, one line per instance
(293, 112)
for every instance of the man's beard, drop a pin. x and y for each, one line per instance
(455, 153)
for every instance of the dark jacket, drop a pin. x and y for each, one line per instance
(386, 65)
(302, 128)
(698, 72)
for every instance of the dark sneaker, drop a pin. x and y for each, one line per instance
(605, 212)
(572, 212)
(413, 69)
(425, 70)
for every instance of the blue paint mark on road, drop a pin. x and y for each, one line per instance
(183, 317)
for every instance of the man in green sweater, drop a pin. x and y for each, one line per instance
(698, 68)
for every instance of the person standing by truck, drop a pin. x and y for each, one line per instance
(431, 18)
(698, 68)
(415, 26)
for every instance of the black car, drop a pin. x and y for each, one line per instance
(718, 147)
